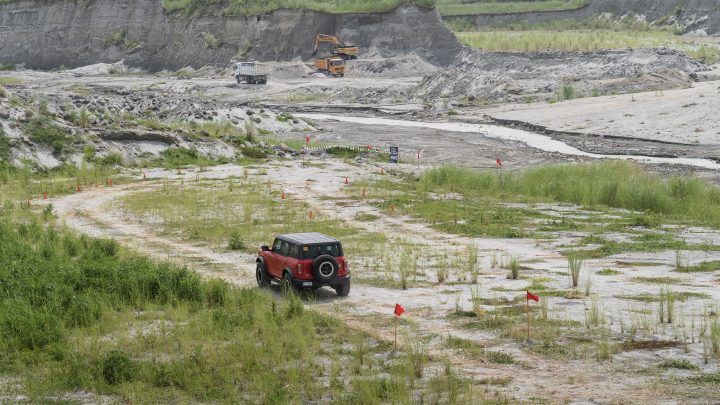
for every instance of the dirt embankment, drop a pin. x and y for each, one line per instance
(44, 35)
(691, 15)
(536, 76)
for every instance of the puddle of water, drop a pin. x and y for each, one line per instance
(531, 139)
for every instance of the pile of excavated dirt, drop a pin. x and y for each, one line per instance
(410, 65)
(510, 76)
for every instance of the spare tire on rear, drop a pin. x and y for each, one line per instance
(325, 268)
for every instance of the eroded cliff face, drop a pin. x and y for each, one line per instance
(690, 14)
(47, 33)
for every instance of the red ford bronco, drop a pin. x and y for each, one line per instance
(304, 260)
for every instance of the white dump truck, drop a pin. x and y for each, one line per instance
(251, 72)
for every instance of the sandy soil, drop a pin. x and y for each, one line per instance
(534, 377)
(687, 116)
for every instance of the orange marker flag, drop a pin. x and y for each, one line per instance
(399, 310)
(531, 296)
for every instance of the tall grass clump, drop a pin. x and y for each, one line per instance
(514, 267)
(574, 268)
(617, 184)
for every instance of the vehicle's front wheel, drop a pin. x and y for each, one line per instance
(261, 276)
(343, 290)
(287, 285)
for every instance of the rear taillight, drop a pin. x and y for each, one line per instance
(299, 268)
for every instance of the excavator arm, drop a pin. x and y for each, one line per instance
(321, 38)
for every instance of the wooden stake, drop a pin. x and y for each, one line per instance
(527, 304)
(396, 321)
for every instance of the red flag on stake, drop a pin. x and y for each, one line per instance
(498, 162)
(399, 310)
(530, 296)
(307, 139)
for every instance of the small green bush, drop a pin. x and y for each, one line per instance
(112, 159)
(116, 367)
(42, 129)
(235, 242)
(104, 247)
(255, 153)
(3, 92)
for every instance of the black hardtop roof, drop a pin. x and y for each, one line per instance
(309, 238)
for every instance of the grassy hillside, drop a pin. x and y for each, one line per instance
(255, 7)
(463, 7)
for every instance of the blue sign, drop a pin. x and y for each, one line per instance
(394, 153)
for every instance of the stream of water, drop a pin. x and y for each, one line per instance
(537, 141)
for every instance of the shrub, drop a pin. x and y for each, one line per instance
(235, 242)
(3, 92)
(255, 153)
(42, 129)
(23, 326)
(210, 41)
(103, 247)
(112, 159)
(216, 293)
(116, 367)
(4, 145)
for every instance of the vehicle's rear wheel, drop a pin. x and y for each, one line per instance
(343, 290)
(261, 276)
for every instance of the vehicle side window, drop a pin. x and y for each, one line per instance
(277, 245)
(294, 252)
(284, 248)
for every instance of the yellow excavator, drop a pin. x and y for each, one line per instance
(337, 48)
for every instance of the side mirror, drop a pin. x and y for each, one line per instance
(265, 248)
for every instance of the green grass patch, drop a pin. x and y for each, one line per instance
(703, 267)
(476, 351)
(173, 158)
(257, 7)
(10, 81)
(464, 7)
(212, 211)
(41, 129)
(681, 296)
(617, 184)
(656, 280)
(678, 364)
(608, 272)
